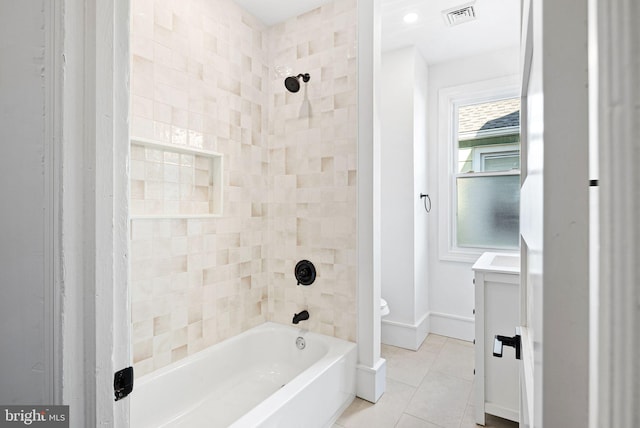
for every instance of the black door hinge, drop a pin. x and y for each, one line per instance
(123, 383)
(500, 341)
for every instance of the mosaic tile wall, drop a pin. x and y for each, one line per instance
(206, 74)
(312, 165)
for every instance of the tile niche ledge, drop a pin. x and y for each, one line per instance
(170, 181)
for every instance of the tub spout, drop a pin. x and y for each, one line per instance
(304, 315)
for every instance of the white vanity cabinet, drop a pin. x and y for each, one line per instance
(497, 300)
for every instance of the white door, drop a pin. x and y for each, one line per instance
(554, 215)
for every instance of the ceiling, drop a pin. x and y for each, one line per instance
(497, 25)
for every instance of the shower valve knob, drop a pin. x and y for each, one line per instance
(305, 272)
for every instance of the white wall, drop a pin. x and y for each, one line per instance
(403, 177)
(397, 183)
(23, 248)
(451, 293)
(420, 216)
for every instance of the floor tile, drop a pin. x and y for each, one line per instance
(433, 343)
(408, 421)
(441, 399)
(384, 414)
(388, 351)
(407, 366)
(432, 387)
(469, 419)
(455, 359)
(490, 421)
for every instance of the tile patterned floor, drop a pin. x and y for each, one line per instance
(428, 388)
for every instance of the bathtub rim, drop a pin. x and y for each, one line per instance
(272, 403)
(336, 350)
(267, 325)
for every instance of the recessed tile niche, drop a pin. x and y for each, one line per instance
(170, 181)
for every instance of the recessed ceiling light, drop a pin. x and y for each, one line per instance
(410, 18)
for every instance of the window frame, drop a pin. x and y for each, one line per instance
(450, 99)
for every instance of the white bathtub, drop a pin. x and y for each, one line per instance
(256, 379)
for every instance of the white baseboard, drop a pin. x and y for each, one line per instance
(449, 325)
(371, 382)
(408, 336)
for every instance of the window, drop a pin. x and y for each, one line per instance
(478, 167)
(486, 175)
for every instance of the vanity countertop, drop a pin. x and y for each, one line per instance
(498, 262)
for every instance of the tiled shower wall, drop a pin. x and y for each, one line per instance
(208, 75)
(312, 168)
(197, 81)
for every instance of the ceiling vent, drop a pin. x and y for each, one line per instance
(459, 15)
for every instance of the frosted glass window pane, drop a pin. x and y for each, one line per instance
(488, 211)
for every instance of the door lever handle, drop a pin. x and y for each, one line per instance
(500, 341)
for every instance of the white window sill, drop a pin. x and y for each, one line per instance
(471, 256)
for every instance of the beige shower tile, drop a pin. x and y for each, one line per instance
(179, 353)
(178, 245)
(162, 343)
(141, 107)
(161, 359)
(141, 290)
(179, 337)
(194, 314)
(194, 332)
(179, 318)
(141, 331)
(142, 127)
(161, 324)
(143, 367)
(161, 132)
(142, 310)
(162, 112)
(142, 350)
(171, 170)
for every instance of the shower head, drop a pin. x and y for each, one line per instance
(292, 83)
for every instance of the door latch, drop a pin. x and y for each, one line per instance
(123, 383)
(500, 341)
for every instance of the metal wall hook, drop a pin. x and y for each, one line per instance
(426, 197)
